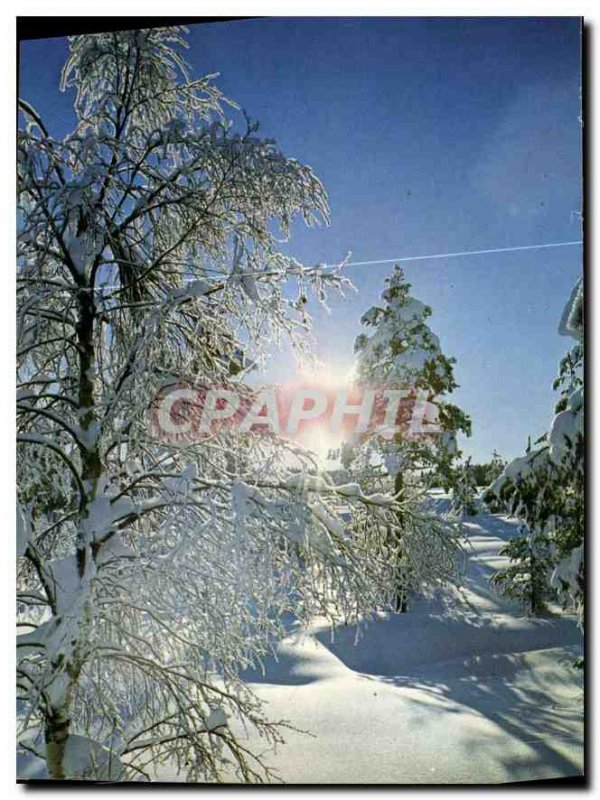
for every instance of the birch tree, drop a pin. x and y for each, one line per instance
(151, 571)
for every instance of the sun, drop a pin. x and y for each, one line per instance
(328, 374)
(320, 441)
(318, 437)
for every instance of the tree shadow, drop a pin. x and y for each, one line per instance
(498, 525)
(295, 661)
(507, 671)
(545, 732)
(285, 668)
(407, 644)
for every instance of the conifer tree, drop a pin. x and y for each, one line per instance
(398, 350)
(545, 487)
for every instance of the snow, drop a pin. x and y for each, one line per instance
(571, 323)
(84, 758)
(521, 468)
(565, 576)
(349, 490)
(216, 719)
(113, 549)
(196, 288)
(23, 530)
(66, 581)
(461, 689)
(371, 316)
(88, 436)
(182, 483)
(331, 523)
(317, 484)
(567, 427)
(307, 483)
(102, 514)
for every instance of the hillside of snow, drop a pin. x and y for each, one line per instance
(462, 689)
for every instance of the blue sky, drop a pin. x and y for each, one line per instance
(431, 136)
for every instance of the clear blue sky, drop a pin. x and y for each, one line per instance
(431, 136)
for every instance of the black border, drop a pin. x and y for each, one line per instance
(52, 27)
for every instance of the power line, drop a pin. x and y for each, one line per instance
(392, 260)
(463, 253)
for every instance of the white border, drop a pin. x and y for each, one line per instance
(7, 286)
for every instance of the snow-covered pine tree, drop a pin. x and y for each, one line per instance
(495, 466)
(526, 577)
(487, 475)
(487, 472)
(464, 490)
(400, 351)
(150, 571)
(545, 487)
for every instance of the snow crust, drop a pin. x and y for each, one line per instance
(462, 689)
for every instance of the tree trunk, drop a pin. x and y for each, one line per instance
(400, 599)
(537, 604)
(68, 662)
(56, 734)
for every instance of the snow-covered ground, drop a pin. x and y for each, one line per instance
(462, 689)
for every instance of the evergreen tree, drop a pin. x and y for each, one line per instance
(484, 474)
(464, 490)
(545, 487)
(495, 467)
(526, 578)
(400, 351)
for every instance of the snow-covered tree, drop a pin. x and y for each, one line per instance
(464, 490)
(526, 576)
(495, 467)
(400, 351)
(545, 487)
(487, 472)
(150, 571)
